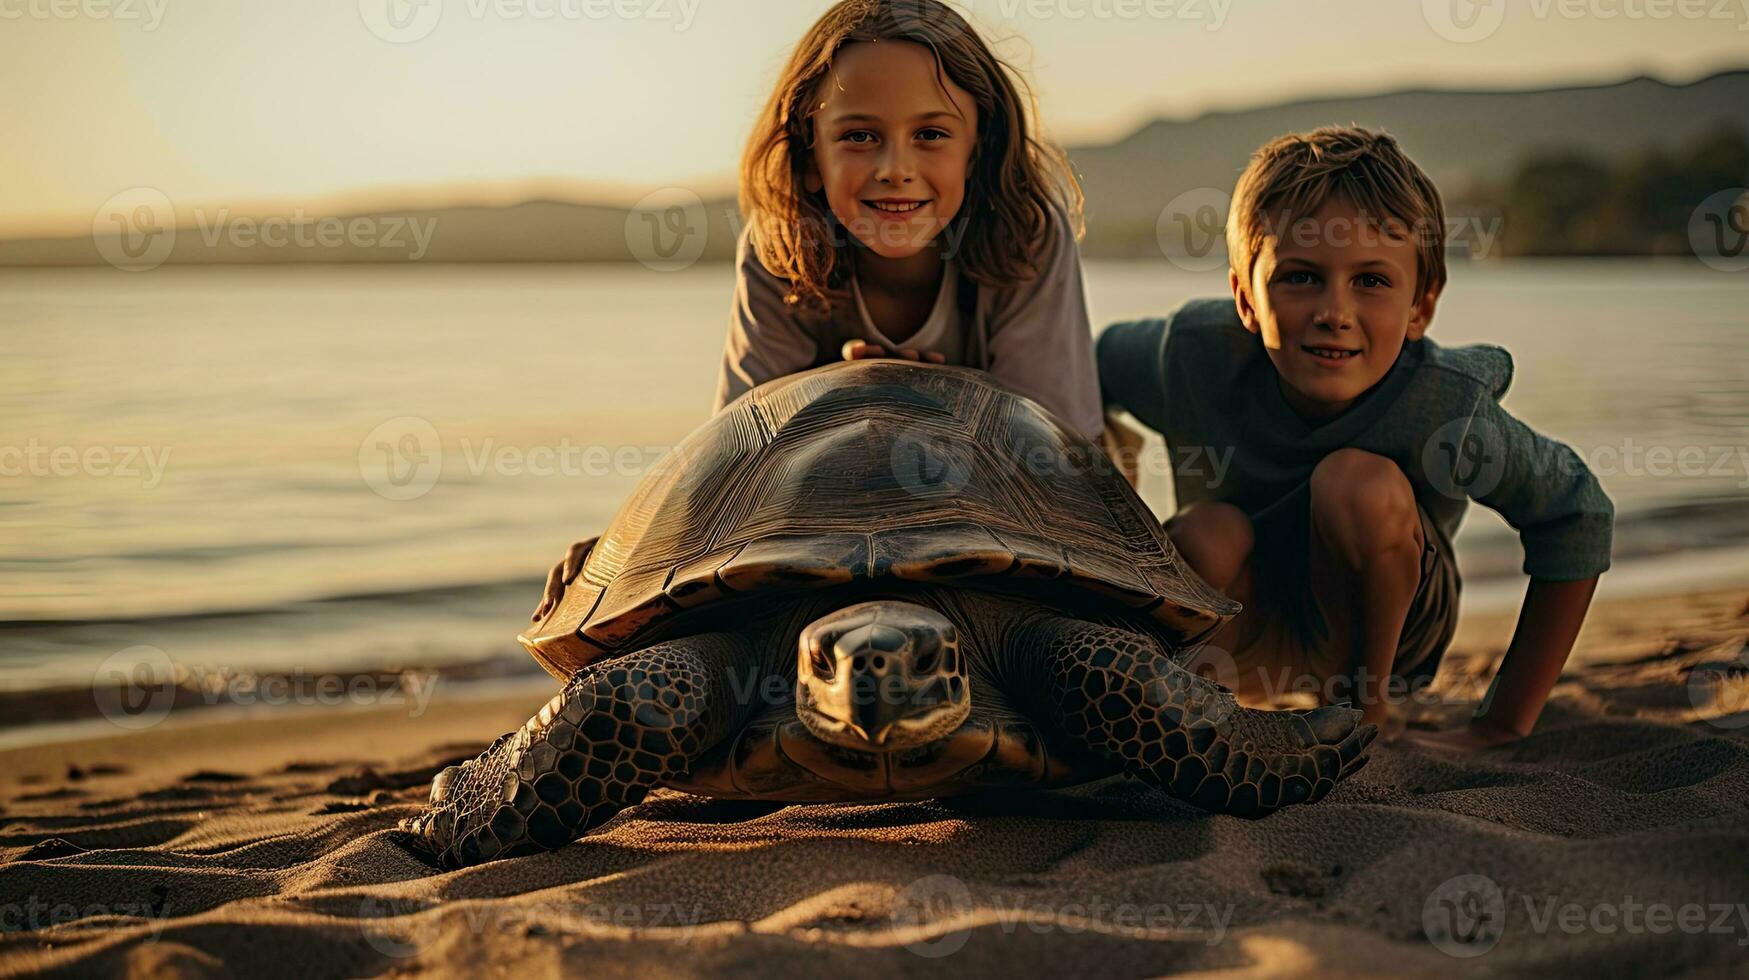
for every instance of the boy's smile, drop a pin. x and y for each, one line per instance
(1334, 296)
(893, 143)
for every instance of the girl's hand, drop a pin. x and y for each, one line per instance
(562, 575)
(862, 350)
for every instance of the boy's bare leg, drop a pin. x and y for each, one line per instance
(1216, 541)
(1365, 566)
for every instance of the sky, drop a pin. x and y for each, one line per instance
(309, 102)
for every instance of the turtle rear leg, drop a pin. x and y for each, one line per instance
(618, 729)
(1117, 691)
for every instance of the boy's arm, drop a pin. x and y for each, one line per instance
(1547, 628)
(1132, 367)
(1566, 523)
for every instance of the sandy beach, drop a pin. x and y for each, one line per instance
(1610, 842)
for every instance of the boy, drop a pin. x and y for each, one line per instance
(1351, 446)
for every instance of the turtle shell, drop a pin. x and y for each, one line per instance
(868, 470)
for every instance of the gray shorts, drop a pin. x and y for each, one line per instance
(1280, 562)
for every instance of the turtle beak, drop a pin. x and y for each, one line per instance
(881, 676)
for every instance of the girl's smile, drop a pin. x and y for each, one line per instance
(893, 142)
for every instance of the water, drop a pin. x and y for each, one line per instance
(232, 522)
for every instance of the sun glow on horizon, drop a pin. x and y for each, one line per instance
(254, 106)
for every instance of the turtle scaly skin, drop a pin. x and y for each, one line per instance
(1113, 695)
(878, 580)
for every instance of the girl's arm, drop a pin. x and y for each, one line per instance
(765, 338)
(1040, 340)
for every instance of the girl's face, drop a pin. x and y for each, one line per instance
(892, 149)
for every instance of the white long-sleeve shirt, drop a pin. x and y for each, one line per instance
(1033, 336)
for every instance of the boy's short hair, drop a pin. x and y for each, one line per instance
(1292, 176)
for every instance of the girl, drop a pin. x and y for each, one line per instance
(897, 204)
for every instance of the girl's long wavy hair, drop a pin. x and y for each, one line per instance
(1016, 179)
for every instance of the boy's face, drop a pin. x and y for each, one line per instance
(892, 149)
(1334, 298)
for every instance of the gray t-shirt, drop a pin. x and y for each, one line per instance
(1033, 336)
(1204, 382)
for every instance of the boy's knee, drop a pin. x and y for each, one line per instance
(1212, 525)
(1215, 539)
(1364, 496)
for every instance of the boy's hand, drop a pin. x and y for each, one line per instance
(1123, 443)
(862, 350)
(1469, 738)
(563, 574)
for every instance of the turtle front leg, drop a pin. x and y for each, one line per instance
(618, 729)
(1120, 693)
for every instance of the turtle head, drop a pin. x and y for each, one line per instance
(882, 676)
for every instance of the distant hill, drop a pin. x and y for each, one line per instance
(1460, 138)
(1464, 139)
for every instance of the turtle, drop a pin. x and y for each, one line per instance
(878, 580)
